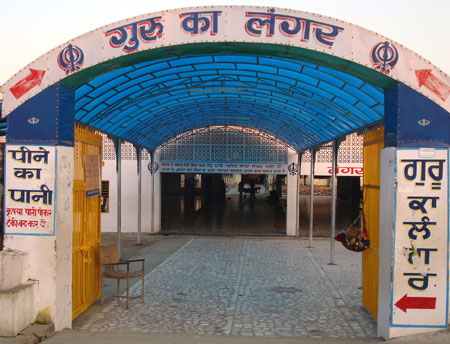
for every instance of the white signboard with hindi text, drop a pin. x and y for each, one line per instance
(226, 168)
(29, 190)
(421, 239)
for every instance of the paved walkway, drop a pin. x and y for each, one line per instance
(259, 287)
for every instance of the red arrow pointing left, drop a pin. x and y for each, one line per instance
(406, 303)
(31, 80)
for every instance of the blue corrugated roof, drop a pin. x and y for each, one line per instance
(301, 103)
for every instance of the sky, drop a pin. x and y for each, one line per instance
(30, 28)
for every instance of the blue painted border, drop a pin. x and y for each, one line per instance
(448, 243)
(4, 193)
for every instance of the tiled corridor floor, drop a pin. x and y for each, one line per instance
(249, 287)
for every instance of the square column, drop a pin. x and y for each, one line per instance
(157, 192)
(292, 211)
(39, 164)
(147, 189)
(414, 241)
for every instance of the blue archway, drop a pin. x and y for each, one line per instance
(299, 77)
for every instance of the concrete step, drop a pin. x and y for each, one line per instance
(18, 307)
(33, 334)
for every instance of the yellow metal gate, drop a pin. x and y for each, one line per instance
(373, 144)
(86, 226)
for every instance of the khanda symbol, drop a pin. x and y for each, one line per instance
(293, 169)
(71, 59)
(384, 57)
(153, 168)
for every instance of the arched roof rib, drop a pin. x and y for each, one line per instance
(301, 103)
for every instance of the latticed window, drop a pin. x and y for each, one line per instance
(350, 151)
(128, 151)
(225, 144)
(233, 144)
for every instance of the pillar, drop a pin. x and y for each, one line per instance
(292, 211)
(139, 195)
(118, 148)
(147, 189)
(311, 195)
(414, 205)
(333, 199)
(40, 144)
(413, 291)
(156, 192)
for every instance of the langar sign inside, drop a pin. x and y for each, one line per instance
(420, 280)
(29, 190)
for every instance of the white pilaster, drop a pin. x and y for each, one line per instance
(405, 305)
(387, 200)
(157, 193)
(292, 212)
(64, 236)
(147, 189)
(50, 257)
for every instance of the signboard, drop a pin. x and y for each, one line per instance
(29, 190)
(421, 239)
(215, 24)
(342, 170)
(321, 169)
(92, 174)
(188, 167)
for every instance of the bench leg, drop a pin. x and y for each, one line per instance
(142, 288)
(102, 285)
(128, 289)
(118, 290)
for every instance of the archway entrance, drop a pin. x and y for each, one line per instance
(304, 79)
(218, 180)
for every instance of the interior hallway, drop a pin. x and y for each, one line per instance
(245, 216)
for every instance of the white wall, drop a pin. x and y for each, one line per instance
(129, 197)
(50, 257)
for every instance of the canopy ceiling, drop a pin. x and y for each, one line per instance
(301, 103)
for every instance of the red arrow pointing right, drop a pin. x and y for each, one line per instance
(406, 303)
(23, 86)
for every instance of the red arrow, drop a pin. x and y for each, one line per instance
(31, 80)
(426, 78)
(416, 303)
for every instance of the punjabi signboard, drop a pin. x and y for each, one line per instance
(29, 190)
(421, 239)
(215, 24)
